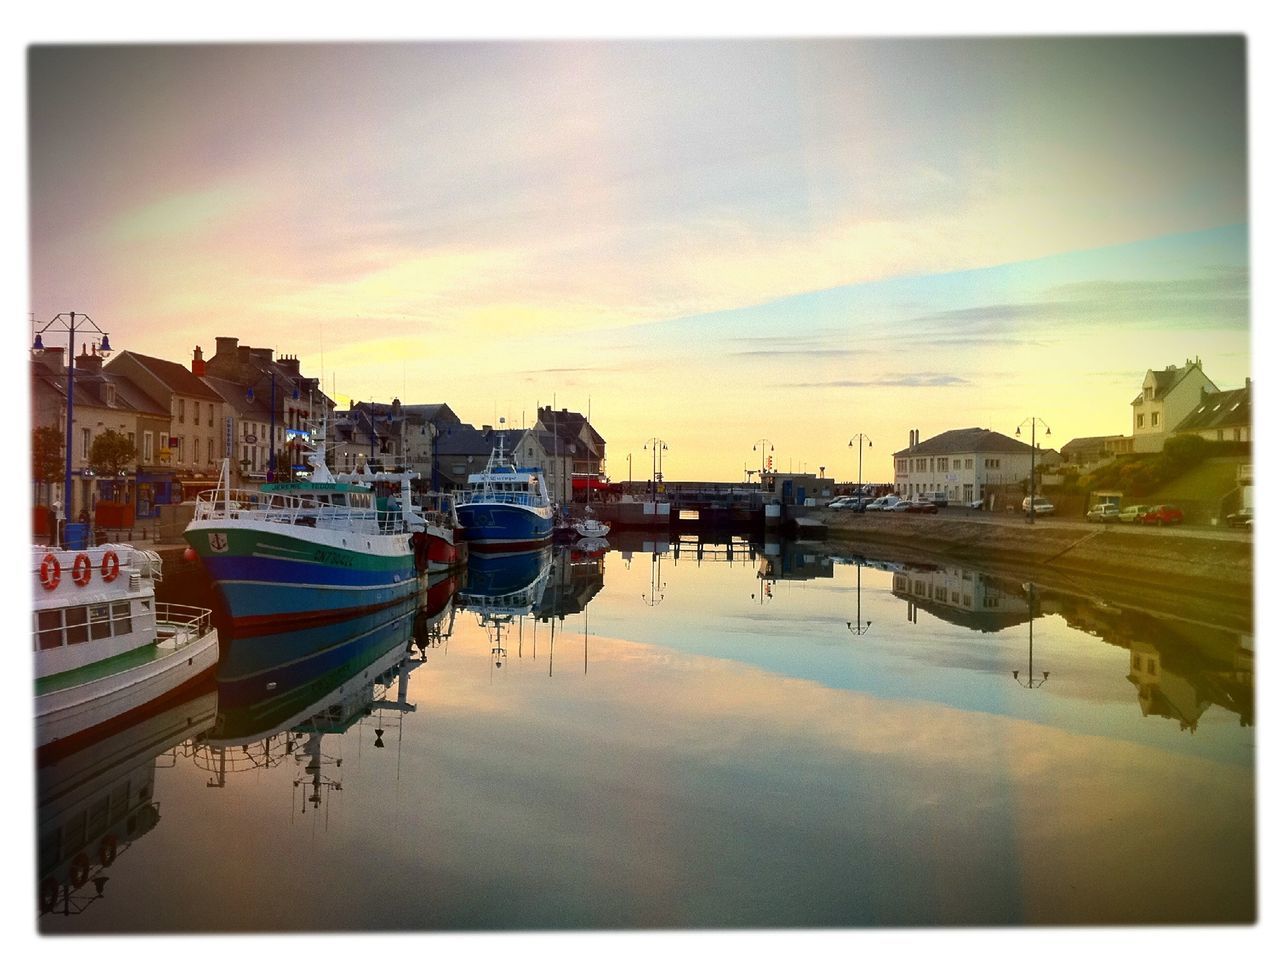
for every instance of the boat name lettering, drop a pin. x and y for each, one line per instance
(333, 557)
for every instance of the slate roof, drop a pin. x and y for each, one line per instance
(1079, 446)
(91, 390)
(569, 424)
(960, 440)
(234, 394)
(1166, 380)
(469, 440)
(1229, 409)
(177, 378)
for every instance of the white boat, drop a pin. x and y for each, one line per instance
(505, 508)
(591, 527)
(107, 654)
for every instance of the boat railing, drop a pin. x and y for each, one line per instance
(502, 497)
(245, 505)
(182, 623)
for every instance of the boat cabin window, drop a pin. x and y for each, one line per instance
(121, 622)
(48, 629)
(100, 621)
(77, 625)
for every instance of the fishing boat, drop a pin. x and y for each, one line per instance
(505, 508)
(107, 654)
(436, 534)
(307, 552)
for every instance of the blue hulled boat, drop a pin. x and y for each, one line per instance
(505, 508)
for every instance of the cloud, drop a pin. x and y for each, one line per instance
(911, 380)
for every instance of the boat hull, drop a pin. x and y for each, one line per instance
(71, 717)
(274, 579)
(497, 527)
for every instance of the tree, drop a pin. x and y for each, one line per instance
(47, 449)
(110, 453)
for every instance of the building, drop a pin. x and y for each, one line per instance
(463, 450)
(581, 440)
(965, 463)
(1168, 396)
(182, 457)
(1086, 454)
(103, 402)
(1221, 415)
(291, 402)
(391, 435)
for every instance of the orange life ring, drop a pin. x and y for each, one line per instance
(79, 871)
(50, 572)
(82, 570)
(110, 565)
(107, 850)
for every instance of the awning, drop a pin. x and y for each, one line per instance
(595, 484)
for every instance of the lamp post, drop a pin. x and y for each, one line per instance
(628, 470)
(1031, 511)
(1031, 682)
(656, 587)
(658, 447)
(860, 439)
(761, 446)
(69, 322)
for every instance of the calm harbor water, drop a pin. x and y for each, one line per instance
(731, 735)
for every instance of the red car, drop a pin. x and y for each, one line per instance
(1162, 514)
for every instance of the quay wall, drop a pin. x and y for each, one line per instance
(1159, 559)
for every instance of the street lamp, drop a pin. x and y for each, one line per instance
(1031, 512)
(69, 322)
(659, 446)
(760, 445)
(860, 438)
(656, 587)
(1031, 681)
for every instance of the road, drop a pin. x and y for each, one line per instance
(1073, 524)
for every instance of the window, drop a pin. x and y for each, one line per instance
(182, 410)
(195, 413)
(942, 464)
(955, 464)
(120, 619)
(1237, 434)
(1140, 417)
(99, 621)
(210, 451)
(146, 448)
(182, 447)
(133, 441)
(77, 625)
(1155, 419)
(49, 629)
(1219, 434)
(1149, 392)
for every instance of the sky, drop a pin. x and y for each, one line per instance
(717, 244)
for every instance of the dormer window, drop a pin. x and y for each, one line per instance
(110, 394)
(1148, 392)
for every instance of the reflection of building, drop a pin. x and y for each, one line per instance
(1163, 694)
(576, 577)
(962, 596)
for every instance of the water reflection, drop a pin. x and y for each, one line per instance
(95, 803)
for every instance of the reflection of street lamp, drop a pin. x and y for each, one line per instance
(1031, 512)
(1031, 681)
(760, 445)
(860, 437)
(857, 625)
(69, 322)
(766, 590)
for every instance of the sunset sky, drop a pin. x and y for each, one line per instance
(711, 242)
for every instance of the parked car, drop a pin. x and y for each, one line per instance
(883, 503)
(1107, 511)
(1241, 519)
(840, 502)
(976, 504)
(898, 504)
(1043, 506)
(1162, 515)
(938, 498)
(922, 506)
(858, 504)
(1133, 513)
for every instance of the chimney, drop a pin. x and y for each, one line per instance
(264, 354)
(53, 358)
(290, 364)
(1248, 384)
(224, 346)
(197, 363)
(90, 363)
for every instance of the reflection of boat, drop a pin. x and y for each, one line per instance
(106, 652)
(94, 802)
(507, 583)
(589, 546)
(271, 684)
(505, 508)
(306, 551)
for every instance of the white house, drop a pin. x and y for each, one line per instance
(963, 463)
